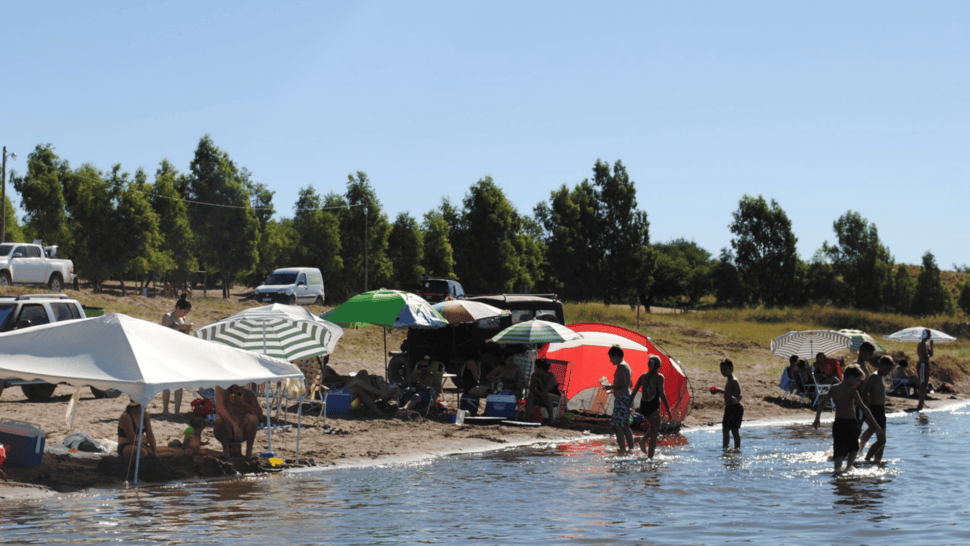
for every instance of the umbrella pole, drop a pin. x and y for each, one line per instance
(385, 353)
(269, 429)
(299, 422)
(141, 432)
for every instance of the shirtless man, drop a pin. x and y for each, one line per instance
(543, 389)
(652, 384)
(733, 410)
(421, 380)
(845, 428)
(238, 416)
(874, 394)
(509, 374)
(924, 350)
(622, 381)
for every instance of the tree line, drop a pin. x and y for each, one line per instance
(589, 242)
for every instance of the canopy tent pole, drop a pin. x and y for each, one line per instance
(299, 424)
(386, 378)
(141, 432)
(269, 428)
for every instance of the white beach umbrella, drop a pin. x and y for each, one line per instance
(807, 343)
(912, 335)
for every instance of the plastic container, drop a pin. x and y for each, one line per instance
(460, 417)
(93, 311)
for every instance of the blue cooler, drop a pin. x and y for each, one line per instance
(24, 441)
(500, 405)
(338, 402)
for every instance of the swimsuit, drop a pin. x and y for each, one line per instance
(845, 436)
(733, 414)
(879, 415)
(621, 412)
(923, 371)
(647, 407)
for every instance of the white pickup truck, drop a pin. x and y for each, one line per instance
(26, 263)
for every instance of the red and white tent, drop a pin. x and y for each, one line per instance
(588, 362)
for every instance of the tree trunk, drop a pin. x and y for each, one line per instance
(124, 289)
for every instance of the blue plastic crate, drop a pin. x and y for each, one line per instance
(338, 402)
(26, 442)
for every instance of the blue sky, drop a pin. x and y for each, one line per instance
(822, 106)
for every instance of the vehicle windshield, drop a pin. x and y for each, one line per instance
(436, 287)
(5, 312)
(281, 278)
(5, 249)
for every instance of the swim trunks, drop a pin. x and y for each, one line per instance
(922, 371)
(733, 414)
(621, 412)
(879, 414)
(647, 407)
(845, 436)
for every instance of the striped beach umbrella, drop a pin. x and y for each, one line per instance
(912, 335)
(859, 337)
(536, 331)
(289, 332)
(807, 343)
(459, 311)
(387, 308)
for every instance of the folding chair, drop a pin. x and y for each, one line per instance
(818, 389)
(560, 368)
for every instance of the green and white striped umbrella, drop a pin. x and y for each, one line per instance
(858, 338)
(536, 331)
(289, 332)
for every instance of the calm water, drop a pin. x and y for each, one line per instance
(780, 490)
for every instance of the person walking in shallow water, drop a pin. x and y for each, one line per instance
(622, 379)
(652, 384)
(733, 410)
(845, 428)
(924, 350)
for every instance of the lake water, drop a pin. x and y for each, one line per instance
(779, 490)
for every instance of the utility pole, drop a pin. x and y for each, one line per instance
(3, 195)
(365, 248)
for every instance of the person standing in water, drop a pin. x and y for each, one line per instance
(924, 350)
(652, 385)
(874, 394)
(733, 410)
(845, 428)
(622, 379)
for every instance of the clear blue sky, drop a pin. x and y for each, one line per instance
(822, 106)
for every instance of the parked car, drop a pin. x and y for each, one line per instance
(26, 263)
(453, 345)
(292, 285)
(435, 289)
(33, 310)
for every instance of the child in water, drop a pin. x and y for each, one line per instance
(845, 428)
(733, 410)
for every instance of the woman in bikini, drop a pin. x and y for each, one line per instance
(652, 384)
(128, 432)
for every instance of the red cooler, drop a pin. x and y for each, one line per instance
(24, 441)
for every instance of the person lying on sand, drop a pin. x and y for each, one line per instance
(238, 416)
(361, 386)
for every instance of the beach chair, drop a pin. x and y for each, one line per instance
(312, 369)
(816, 390)
(560, 368)
(792, 386)
(903, 386)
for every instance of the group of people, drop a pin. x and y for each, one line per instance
(539, 390)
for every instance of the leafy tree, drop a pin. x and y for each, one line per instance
(42, 196)
(903, 288)
(90, 204)
(13, 233)
(821, 283)
(439, 259)
(765, 254)
(574, 248)
(489, 229)
(226, 229)
(624, 231)
(728, 288)
(364, 215)
(862, 261)
(964, 301)
(669, 279)
(136, 239)
(177, 240)
(406, 252)
(930, 297)
(531, 251)
(316, 239)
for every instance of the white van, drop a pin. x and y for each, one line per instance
(292, 285)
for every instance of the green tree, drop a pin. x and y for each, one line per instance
(574, 247)
(364, 215)
(930, 297)
(89, 201)
(624, 231)
(821, 283)
(405, 250)
(439, 259)
(177, 240)
(317, 234)
(862, 261)
(136, 239)
(226, 228)
(728, 288)
(764, 251)
(964, 301)
(14, 233)
(531, 251)
(42, 197)
(903, 289)
(489, 228)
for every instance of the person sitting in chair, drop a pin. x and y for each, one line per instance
(828, 371)
(420, 384)
(904, 379)
(509, 375)
(543, 390)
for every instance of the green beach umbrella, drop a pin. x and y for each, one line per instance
(389, 309)
(858, 338)
(536, 331)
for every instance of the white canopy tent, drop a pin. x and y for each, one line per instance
(134, 356)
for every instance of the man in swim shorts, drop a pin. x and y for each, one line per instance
(845, 428)
(874, 393)
(622, 381)
(733, 410)
(924, 350)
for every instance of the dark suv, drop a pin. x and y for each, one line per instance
(453, 345)
(435, 289)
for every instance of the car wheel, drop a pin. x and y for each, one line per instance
(56, 284)
(319, 300)
(291, 300)
(110, 393)
(397, 369)
(39, 392)
(5, 278)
